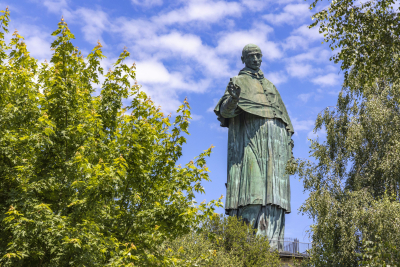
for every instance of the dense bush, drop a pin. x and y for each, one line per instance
(222, 241)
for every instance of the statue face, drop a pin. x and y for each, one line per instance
(253, 60)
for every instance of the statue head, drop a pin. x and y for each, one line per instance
(251, 56)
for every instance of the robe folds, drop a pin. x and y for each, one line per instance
(258, 150)
(258, 96)
(259, 145)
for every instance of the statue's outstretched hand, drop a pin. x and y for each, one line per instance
(234, 90)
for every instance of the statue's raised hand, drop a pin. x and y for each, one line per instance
(234, 90)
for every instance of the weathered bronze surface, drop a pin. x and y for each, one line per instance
(259, 146)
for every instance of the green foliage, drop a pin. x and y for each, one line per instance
(222, 242)
(366, 35)
(85, 181)
(354, 183)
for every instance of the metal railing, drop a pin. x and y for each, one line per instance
(290, 246)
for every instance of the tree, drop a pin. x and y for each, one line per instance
(366, 36)
(223, 242)
(85, 181)
(354, 181)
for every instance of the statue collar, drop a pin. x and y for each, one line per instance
(254, 74)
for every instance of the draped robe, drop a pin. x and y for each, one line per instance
(259, 146)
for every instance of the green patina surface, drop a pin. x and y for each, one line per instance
(258, 96)
(259, 147)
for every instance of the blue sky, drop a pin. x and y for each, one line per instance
(190, 48)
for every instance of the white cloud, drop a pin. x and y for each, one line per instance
(37, 40)
(146, 71)
(255, 5)
(55, 6)
(155, 42)
(133, 29)
(299, 70)
(185, 47)
(166, 80)
(259, 5)
(95, 21)
(147, 3)
(283, 2)
(305, 64)
(196, 117)
(331, 68)
(311, 34)
(302, 37)
(152, 46)
(316, 55)
(217, 126)
(305, 97)
(292, 14)
(295, 42)
(233, 42)
(200, 10)
(276, 77)
(187, 44)
(164, 85)
(330, 79)
(302, 125)
(38, 47)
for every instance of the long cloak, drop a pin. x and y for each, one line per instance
(259, 145)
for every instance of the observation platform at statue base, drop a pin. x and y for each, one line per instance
(291, 250)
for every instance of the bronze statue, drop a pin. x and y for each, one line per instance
(259, 146)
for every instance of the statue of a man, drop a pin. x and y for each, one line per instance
(259, 146)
